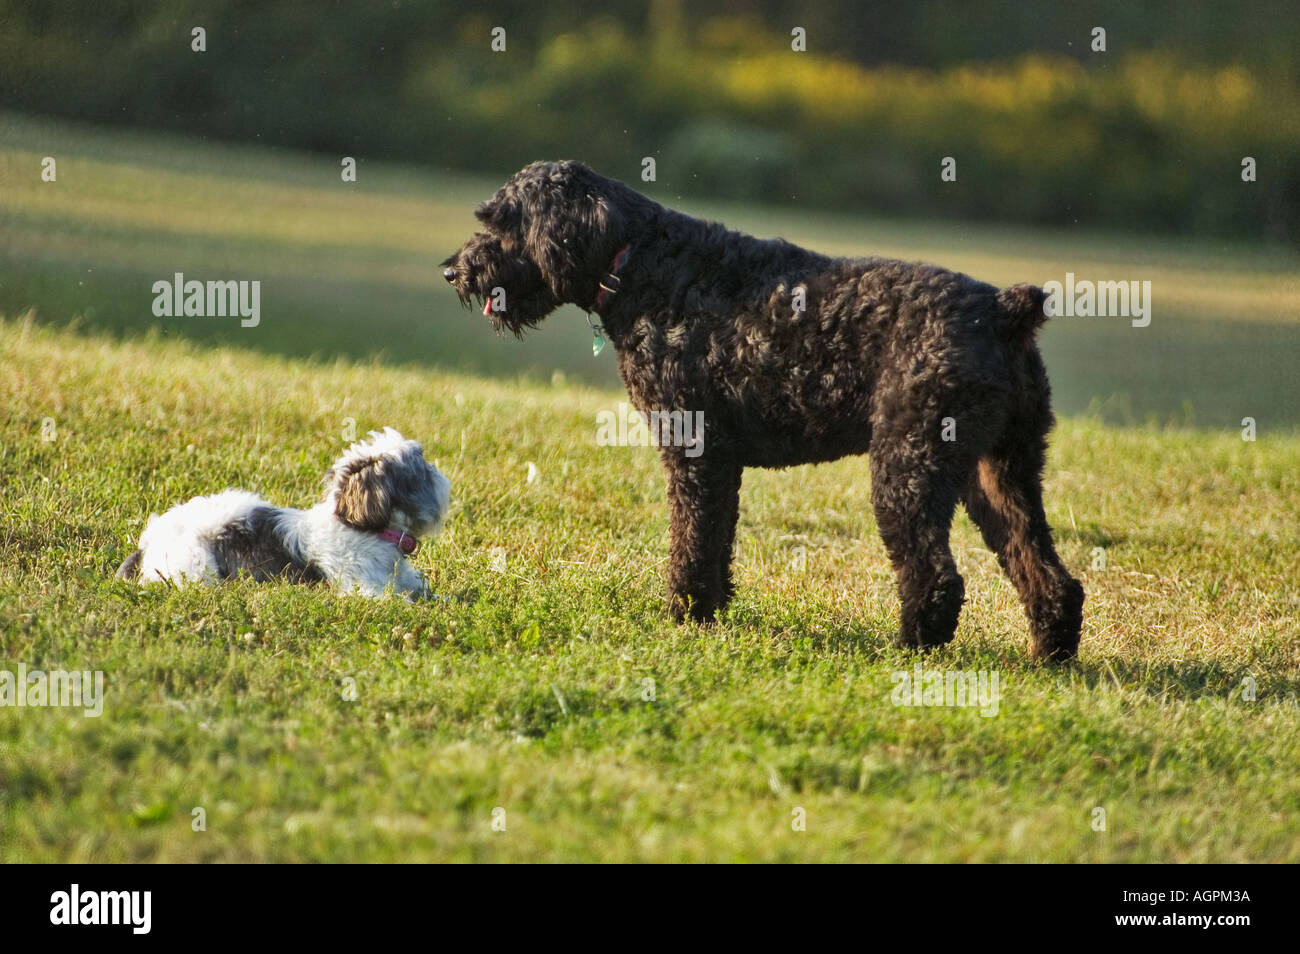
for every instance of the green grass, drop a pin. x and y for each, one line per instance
(526, 690)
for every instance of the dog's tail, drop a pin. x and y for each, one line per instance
(1023, 310)
(130, 568)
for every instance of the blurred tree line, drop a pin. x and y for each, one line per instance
(1149, 135)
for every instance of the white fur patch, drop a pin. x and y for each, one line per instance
(177, 545)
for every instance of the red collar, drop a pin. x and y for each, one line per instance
(401, 539)
(609, 285)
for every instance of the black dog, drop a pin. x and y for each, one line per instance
(795, 358)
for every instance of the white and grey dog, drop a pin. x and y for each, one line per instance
(381, 497)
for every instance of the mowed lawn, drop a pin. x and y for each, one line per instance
(546, 710)
(547, 693)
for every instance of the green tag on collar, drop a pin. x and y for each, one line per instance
(597, 336)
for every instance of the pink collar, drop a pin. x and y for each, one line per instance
(400, 539)
(609, 285)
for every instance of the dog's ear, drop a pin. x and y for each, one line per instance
(501, 214)
(362, 494)
(573, 239)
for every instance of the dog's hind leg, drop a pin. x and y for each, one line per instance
(130, 568)
(728, 519)
(914, 498)
(1005, 499)
(705, 499)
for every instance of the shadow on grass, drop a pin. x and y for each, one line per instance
(1182, 371)
(1093, 535)
(315, 317)
(1189, 679)
(872, 641)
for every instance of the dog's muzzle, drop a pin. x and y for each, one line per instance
(450, 274)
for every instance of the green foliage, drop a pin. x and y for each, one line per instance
(1146, 138)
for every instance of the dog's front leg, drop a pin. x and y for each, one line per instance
(411, 583)
(705, 500)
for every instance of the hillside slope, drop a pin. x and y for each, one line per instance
(549, 685)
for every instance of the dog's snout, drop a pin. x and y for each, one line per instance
(449, 274)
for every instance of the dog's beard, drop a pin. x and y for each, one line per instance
(521, 312)
(508, 289)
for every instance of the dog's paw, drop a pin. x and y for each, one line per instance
(1046, 651)
(913, 640)
(690, 610)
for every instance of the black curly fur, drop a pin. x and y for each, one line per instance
(704, 319)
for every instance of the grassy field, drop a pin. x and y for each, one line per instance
(527, 690)
(548, 691)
